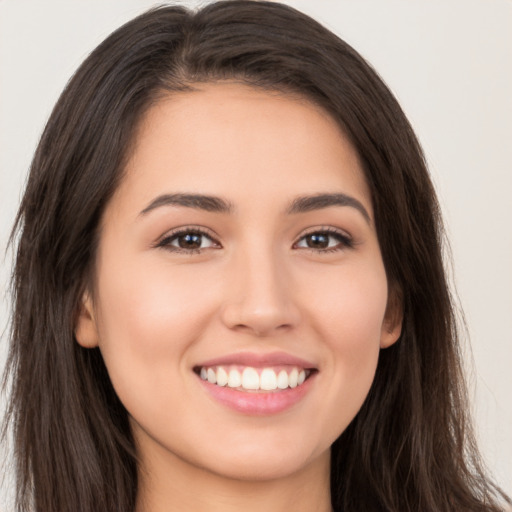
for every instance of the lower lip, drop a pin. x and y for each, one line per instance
(259, 403)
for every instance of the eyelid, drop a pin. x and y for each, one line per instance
(345, 239)
(326, 229)
(162, 242)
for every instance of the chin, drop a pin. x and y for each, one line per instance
(263, 467)
(263, 457)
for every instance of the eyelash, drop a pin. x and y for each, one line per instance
(344, 241)
(165, 242)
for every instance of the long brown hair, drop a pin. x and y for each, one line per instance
(410, 447)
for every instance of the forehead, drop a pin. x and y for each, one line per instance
(240, 142)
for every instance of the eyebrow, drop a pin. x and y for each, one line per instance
(216, 204)
(197, 201)
(319, 201)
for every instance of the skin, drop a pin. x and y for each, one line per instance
(255, 286)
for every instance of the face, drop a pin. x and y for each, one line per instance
(240, 300)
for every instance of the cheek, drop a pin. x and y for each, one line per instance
(150, 303)
(147, 318)
(355, 331)
(349, 314)
(349, 306)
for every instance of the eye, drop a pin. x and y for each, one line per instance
(188, 240)
(325, 240)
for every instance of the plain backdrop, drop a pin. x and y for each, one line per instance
(449, 62)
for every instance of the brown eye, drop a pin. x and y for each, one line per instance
(317, 241)
(188, 241)
(324, 241)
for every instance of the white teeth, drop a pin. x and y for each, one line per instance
(234, 379)
(268, 379)
(212, 378)
(282, 380)
(293, 377)
(222, 376)
(251, 379)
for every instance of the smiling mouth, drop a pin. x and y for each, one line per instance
(250, 379)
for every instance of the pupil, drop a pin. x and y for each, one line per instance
(318, 241)
(190, 241)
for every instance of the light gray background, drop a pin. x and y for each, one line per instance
(450, 65)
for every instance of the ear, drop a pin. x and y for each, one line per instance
(393, 318)
(86, 332)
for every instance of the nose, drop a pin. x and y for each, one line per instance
(260, 299)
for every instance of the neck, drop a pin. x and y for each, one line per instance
(168, 486)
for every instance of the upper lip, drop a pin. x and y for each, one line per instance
(259, 360)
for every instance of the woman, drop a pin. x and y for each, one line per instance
(229, 287)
